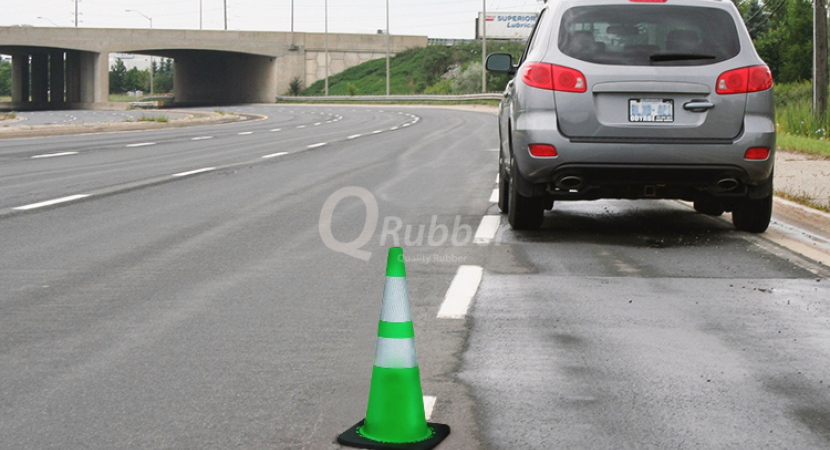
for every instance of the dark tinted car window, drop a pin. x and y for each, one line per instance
(645, 35)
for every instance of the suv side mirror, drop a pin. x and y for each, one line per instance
(501, 63)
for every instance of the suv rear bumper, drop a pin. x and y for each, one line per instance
(624, 169)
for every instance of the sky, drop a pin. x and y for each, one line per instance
(434, 18)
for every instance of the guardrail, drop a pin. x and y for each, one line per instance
(396, 98)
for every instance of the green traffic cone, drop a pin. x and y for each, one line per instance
(395, 417)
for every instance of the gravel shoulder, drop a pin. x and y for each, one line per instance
(20, 129)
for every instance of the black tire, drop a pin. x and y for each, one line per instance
(524, 213)
(753, 215)
(709, 207)
(504, 190)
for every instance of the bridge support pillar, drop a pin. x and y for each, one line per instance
(40, 78)
(56, 81)
(20, 78)
(73, 76)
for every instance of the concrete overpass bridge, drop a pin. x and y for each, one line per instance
(209, 66)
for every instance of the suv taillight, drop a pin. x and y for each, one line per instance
(553, 77)
(746, 79)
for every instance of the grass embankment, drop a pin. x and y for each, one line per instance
(798, 129)
(8, 116)
(433, 69)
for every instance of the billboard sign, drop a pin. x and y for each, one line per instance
(507, 25)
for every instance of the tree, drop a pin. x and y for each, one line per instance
(137, 80)
(468, 80)
(118, 72)
(5, 77)
(295, 87)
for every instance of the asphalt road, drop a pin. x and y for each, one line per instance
(170, 289)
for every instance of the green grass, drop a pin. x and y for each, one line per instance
(805, 145)
(413, 71)
(157, 119)
(5, 98)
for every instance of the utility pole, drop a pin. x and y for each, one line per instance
(820, 68)
(226, 14)
(326, 4)
(484, 47)
(388, 89)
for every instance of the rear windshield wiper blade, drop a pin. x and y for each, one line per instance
(679, 56)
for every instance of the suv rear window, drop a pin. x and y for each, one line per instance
(646, 35)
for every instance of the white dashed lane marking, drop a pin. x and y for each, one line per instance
(274, 155)
(354, 136)
(51, 202)
(429, 405)
(143, 144)
(202, 138)
(52, 155)
(317, 145)
(494, 197)
(461, 292)
(194, 172)
(487, 229)
(245, 133)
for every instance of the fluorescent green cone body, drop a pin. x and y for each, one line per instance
(396, 407)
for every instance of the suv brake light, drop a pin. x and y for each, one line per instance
(744, 80)
(554, 78)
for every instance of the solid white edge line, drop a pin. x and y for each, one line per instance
(317, 145)
(429, 405)
(143, 144)
(494, 197)
(274, 155)
(461, 292)
(354, 136)
(51, 202)
(194, 172)
(487, 229)
(52, 155)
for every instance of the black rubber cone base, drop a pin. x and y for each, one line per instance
(351, 438)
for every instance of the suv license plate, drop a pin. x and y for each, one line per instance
(650, 110)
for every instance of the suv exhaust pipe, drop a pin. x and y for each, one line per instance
(570, 182)
(727, 184)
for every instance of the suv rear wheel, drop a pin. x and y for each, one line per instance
(753, 215)
(504, 189)
(524, 213)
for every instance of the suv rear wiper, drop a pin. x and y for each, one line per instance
(679, 56)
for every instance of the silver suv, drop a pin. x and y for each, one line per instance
(634, 99)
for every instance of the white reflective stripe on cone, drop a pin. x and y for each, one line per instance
(395, 301)
(395, 353)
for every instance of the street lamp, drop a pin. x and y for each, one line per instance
(326, 6)
(387, 49)
(50, 20)
(484, 47)
(200, 14)
(151, 56)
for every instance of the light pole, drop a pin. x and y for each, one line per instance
(50, 20)
(76, 13)
(292, 24)
(201, 11)
(387, 49)
(484, 47)
(226, 14)
(326, 6)
(152, 69)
